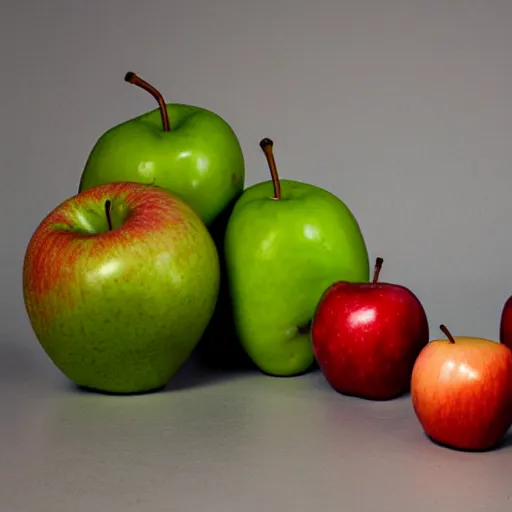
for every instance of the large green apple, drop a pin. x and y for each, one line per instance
(119, 282)
(286, 243)
(186, 149)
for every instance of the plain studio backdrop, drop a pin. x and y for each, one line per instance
(403, 108)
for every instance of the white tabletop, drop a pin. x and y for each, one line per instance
(227, 443)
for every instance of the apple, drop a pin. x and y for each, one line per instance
(366, 337)
(285, 242)
(461, 391)
(506, 324)
(186, 149)
(119, 283)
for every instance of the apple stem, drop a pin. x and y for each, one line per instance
(378, 267)
(134, 79)
(447, 333)
(266, 145)
(108, 205)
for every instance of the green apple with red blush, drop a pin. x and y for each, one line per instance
(185, 149)
(119, 283)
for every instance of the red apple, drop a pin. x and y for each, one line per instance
(506, 324)
(366, 337)
(461, 391)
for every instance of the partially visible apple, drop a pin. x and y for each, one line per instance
(461, 391)
(506, 324)
(366, 337)
(186, 149)
(119, 282)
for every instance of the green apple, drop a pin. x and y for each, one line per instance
(120, 282)
(286, 243)
(186, 149)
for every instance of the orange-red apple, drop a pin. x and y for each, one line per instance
(461, 390)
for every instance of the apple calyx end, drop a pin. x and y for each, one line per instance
(304, 328)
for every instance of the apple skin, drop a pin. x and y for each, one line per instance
(120, 310)
(366, 337)
(506, 324)
(200, 158)
(280, 257)
(462, 392)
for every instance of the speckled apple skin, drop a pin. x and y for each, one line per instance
(121, 310)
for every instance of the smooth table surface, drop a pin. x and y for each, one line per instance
(221, 442)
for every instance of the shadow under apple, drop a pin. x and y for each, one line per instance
(504, 443)
(191, 375)
(219, 347)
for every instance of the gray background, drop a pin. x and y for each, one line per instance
(402, 108)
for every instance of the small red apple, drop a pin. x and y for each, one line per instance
(461, 391)
(506, 324)
(366, 337)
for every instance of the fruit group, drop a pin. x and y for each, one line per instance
(286, 242)
(185, 149)
(366, 337)
(506, 324)
(461, 391)
(119, 284)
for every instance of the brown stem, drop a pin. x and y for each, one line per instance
(266, 146)
(378, 267)
(108, 206)
(447, 333)
(132, 78)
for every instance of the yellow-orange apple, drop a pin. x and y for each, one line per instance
(461, 390)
